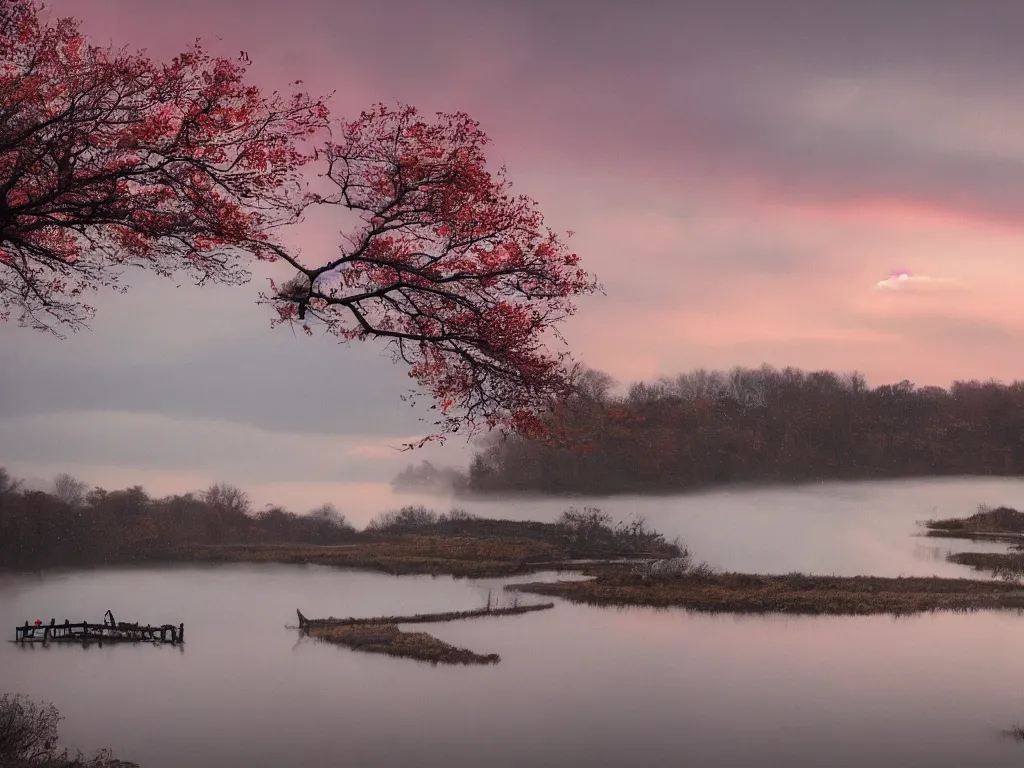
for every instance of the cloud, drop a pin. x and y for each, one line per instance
(906, 282)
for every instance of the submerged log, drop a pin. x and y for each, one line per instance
(422, 618)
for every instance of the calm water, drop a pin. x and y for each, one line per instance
(576, 685)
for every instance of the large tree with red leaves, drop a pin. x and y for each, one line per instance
(108, 159)
(462, 278)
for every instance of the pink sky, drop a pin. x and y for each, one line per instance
(739, 180)
(738, 205)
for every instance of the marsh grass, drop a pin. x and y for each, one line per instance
(793, 593)
(388, 639)
(460, 556)
(461, 545)
(986, 522)
(1008, 566)
(381, 634)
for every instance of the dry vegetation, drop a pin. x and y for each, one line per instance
(986, 522)
(28, 738)
(793, 593)
(382, 635)
(1008, 566)
(415, 540)
(999, 524)
(390, 640)
(460, 556)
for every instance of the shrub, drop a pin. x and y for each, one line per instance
(408, 518)
(633, 535)
(28, 738)
(587, 527)
(28, 730)
(457, 516)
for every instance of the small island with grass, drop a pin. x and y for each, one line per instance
(702, 589)
(381, 634)
(1000, 524)
(415, 540)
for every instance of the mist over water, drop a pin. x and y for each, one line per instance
(576, 685)
(846, 529)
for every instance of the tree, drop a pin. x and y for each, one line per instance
(228, 498)
(8, 485)
(328, 524)
(108, 159)
(462, 279)
(69, 489)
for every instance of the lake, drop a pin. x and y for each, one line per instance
(577, 686)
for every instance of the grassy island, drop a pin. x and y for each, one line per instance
(792, 594)
(382, 635)
(999, 523)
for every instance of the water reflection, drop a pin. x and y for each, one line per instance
(576, 685)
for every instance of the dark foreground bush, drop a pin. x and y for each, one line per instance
(28, 738)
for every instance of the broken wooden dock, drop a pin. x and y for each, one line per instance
(103, 632)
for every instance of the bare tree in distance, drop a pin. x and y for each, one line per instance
(229, 498)
(7, 483)
(70, 489)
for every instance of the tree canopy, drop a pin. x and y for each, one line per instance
(111, 160)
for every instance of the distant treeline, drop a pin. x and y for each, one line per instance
(760, 425)
(72, 525)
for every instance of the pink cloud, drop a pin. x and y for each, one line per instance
(905, 282)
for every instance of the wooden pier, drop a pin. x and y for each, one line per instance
(103, 632)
